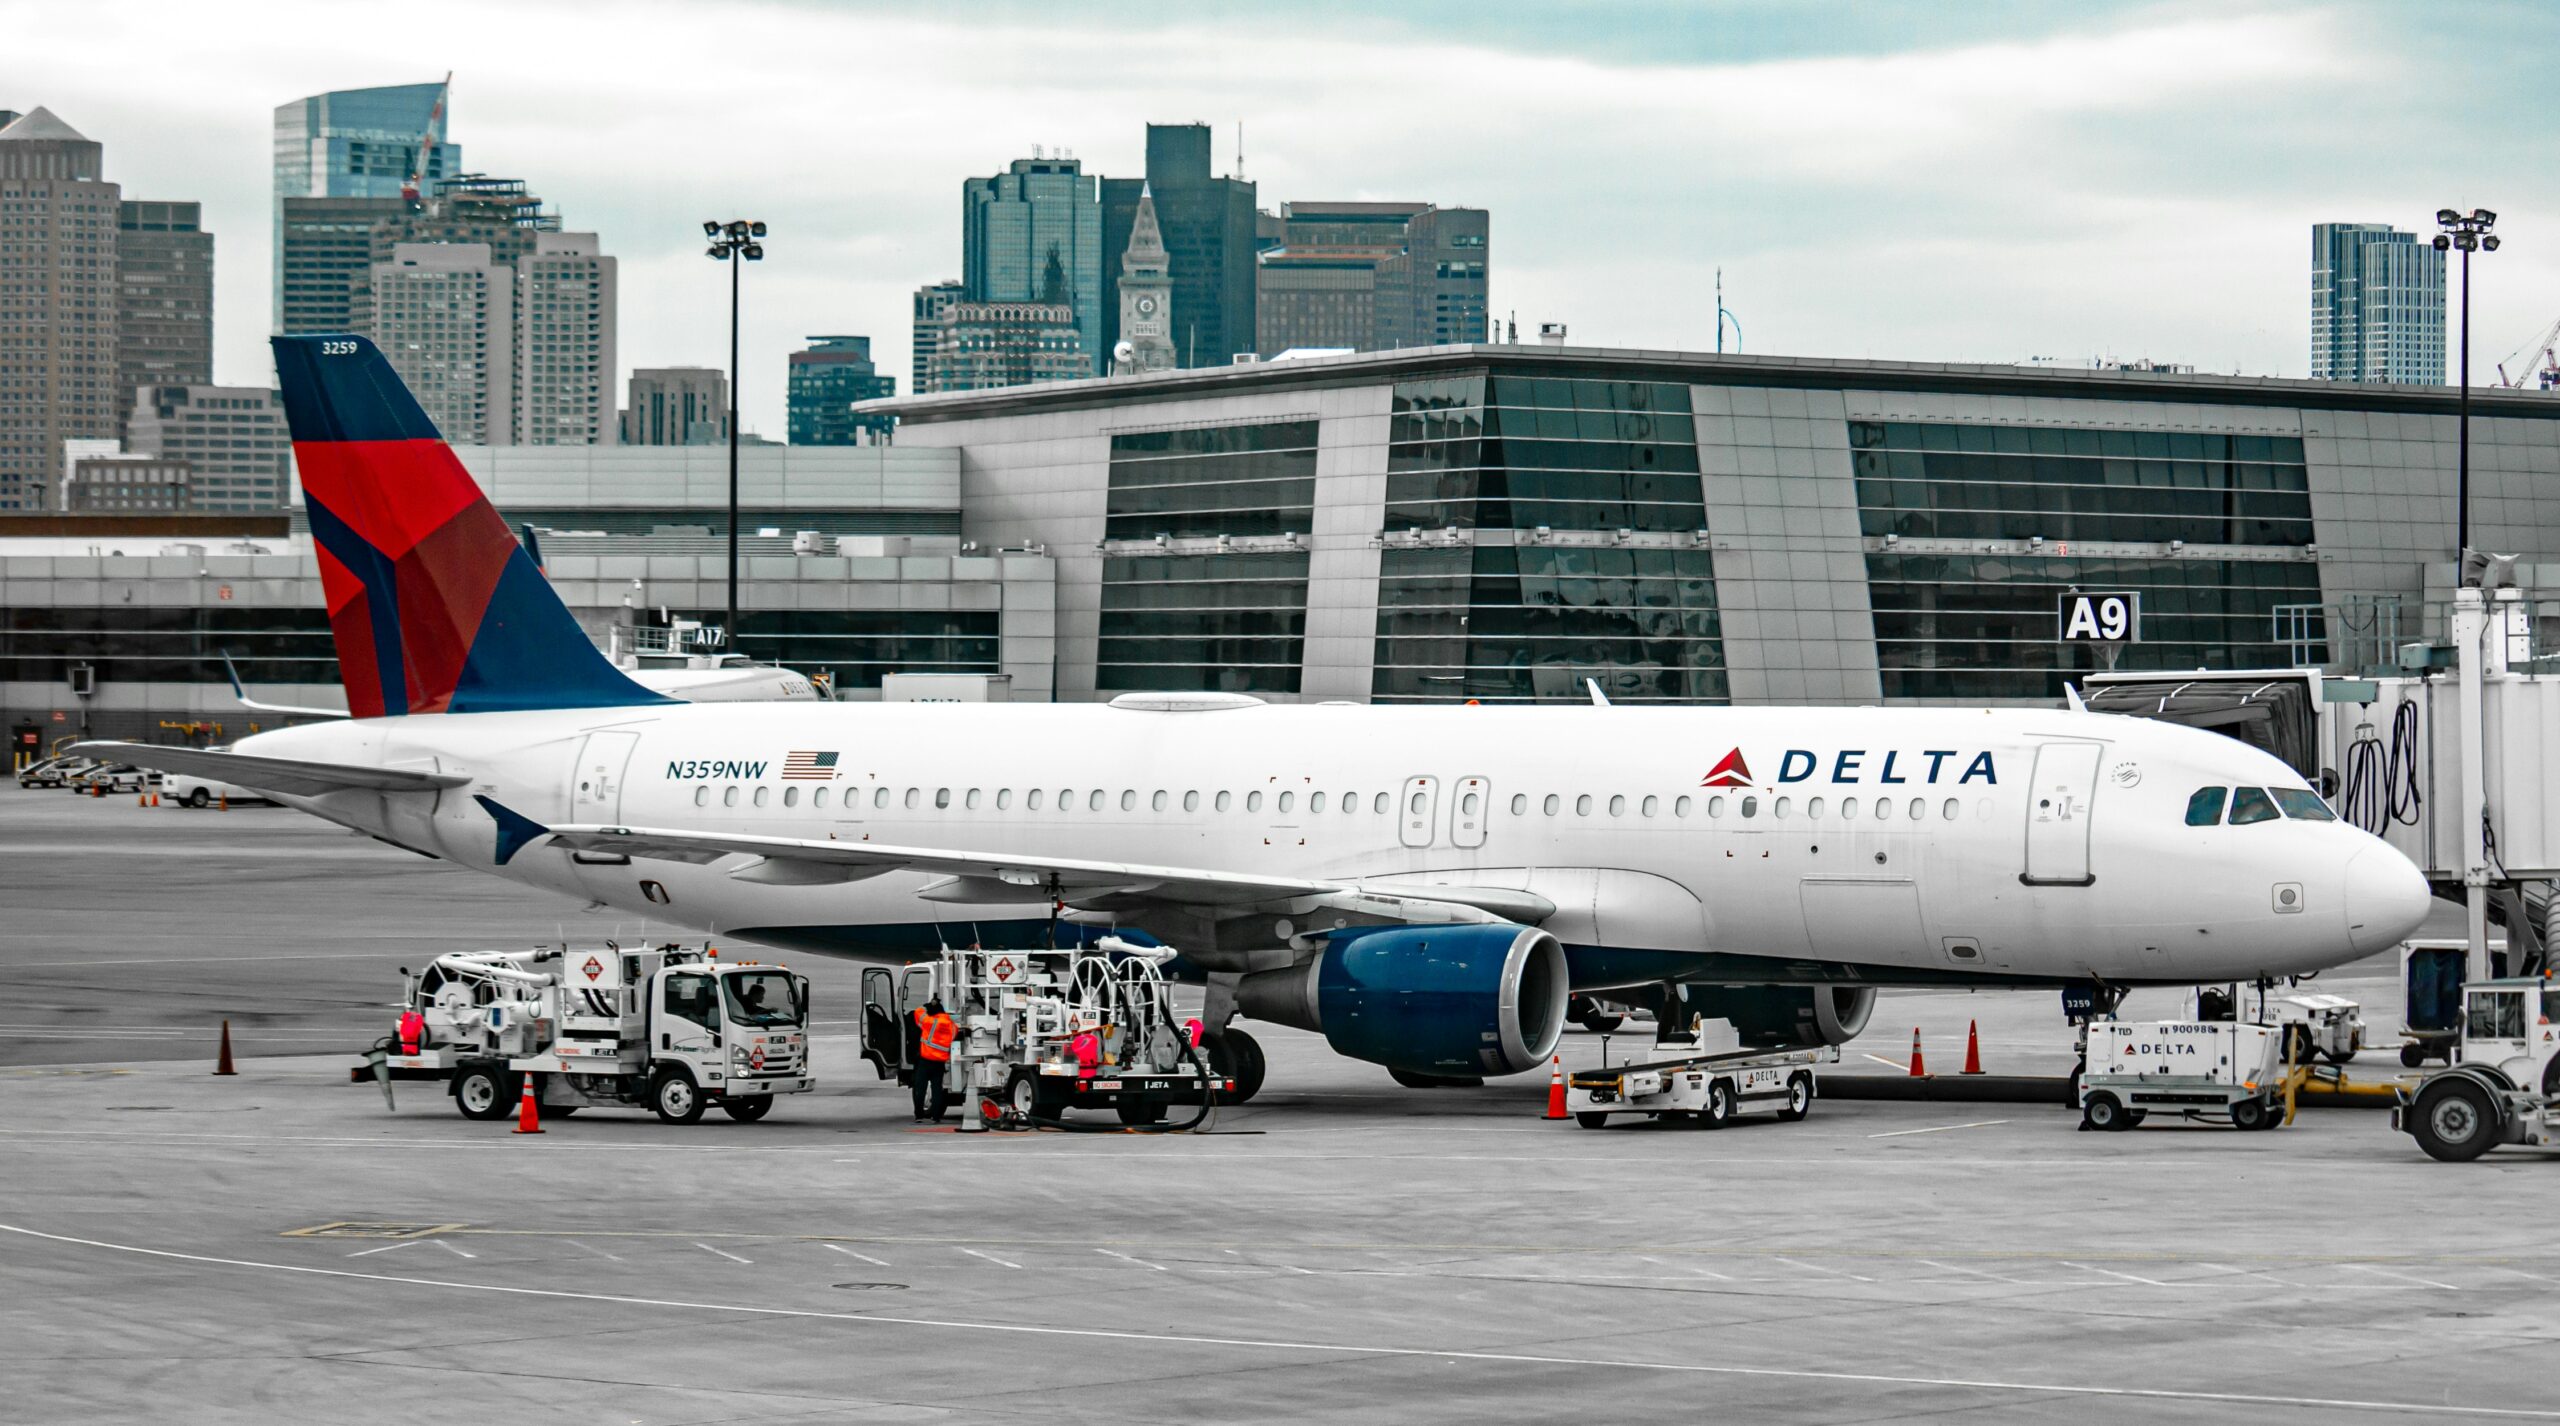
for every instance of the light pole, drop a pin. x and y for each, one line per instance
(735, 242)
(2466, 233)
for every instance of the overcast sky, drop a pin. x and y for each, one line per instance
(1927, 181)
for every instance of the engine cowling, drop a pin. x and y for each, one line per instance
(1448, 1000)
(1775, 1016)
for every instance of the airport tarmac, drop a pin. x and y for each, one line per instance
(280, 1247)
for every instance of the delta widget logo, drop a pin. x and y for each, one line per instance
(1732, 771)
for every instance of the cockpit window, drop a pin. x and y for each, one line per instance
(2205, 808)
(2302, 803)
(2251, 804)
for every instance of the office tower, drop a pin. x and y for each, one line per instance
(324, 259)
(986, 344)
(57, 303)
(164, 300)
(1208, 225)
(443, 313)
(128, 485)
(1034, 234)
(826, 379)
(565, 335)
(932, 303)
(2377, 305)
(677, 406)
(233, 438)
(1149, 315)
(1371, 276)
(356, 143)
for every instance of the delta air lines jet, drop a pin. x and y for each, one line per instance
(1423, 886)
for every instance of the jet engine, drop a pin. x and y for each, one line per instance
(1458, 1001)
(1776, 1016)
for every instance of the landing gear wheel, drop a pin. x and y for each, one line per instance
(199, 799)
(1412, 1080)
(1719, 1110)
(675, 1097)
(747, 1109)
(1140, 1113)
(2412, 1055)
(2455, 1120)
(1589, 1120)
(1235, 1055)
(2251, 1114)
(485, 1092)
(1799, 1097)
(2104, 1113)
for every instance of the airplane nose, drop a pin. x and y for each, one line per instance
(2386, 898)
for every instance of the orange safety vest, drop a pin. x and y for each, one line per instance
(935, 1044)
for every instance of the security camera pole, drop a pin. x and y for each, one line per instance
(2465, 233)
(735, 242)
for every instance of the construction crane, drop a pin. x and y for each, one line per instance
(426, 149)
(2536, 361)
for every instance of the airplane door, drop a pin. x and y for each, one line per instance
(2058, 800)
(595, 782)
(1468, 811)
(1419, 810)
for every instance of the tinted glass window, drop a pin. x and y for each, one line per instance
(2251, 804)
(2205, 808)
(2302, 803)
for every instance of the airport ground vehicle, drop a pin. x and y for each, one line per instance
(2504, 1084)
(182, 789)
(54, 771)
(1686, 1082)
(109, 778)
(674, 1029)
(1045, 1031)
(2315, 1025)
(2193, 1068)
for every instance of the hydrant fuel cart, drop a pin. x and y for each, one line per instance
(674, 1029)
(2504, 1084)
(2191, 1068)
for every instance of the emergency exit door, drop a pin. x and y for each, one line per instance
(1418, 809)
(595, 782)
(2059, 796)
(1470, 803)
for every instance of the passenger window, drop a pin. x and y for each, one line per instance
(1919, 809)
(729, 795)
(1553, 803)
(1415, 804)
(1004, 798)
(1350, 803)
(1315, 802)
(1779, 808)
(1848, 809)
(1884, 809)
(941, 798)
(819, 798)
(1031, 800)
(1680, 808)
(914, 796)
(1157, 802)
(971, 801)
(1093, 800)
(1253, 802)
(1288, 800)
(1378, 804)
(1715, 806)
(1750, 807)
(1951, 808)
(1225, 799)
(2204, 809)
(2251, 804)
(702, 795)
(2302, 804)
(791, 797)
(1617, 807)
(1128, 800)
(763, 795)
(1191, 802)
(1582, 805)
(880, 797)
(1813, 808)
(1519, 804)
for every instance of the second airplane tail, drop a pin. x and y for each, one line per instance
(433, 605)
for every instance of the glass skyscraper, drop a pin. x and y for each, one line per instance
(2377, 305)
(356, 143)
(1034, 234)
(826, 379)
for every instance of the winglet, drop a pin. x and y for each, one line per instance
(2071, 697)
(1598, 699)
(515, 830)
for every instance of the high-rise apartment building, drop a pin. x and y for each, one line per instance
(676, 406)
(1209, 233)
(565, 340)
(57, 303)
(233, 439)
(356, 143)
(932, 302)
(826, 379)
(1034, 234)
(987, 344)
(1372, 276)
(164, 300)
(444, 314)
(2377, 305)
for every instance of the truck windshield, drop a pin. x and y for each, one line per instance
(763, 997)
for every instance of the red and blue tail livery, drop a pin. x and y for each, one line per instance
(434, 606)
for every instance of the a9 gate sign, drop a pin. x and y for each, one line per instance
(2101, 618)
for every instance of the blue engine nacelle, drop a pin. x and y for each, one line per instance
(1447, 1000)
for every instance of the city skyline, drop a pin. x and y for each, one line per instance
(1905, 185)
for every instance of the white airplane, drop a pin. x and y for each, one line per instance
(1424, 886)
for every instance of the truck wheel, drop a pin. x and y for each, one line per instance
(2455, 1120)
(1022, 1096)
(1799, 1097)
(485, 1092)
(1719, 1110)
(1589, 1120)
(2105, 1113)
(2071, 1087)
(2252, 1114)
(1235, 1055)
(2412, 1055)
(199, 799)
(675, 1097)
(1140, 1113)
(2298, 1046)
(749, 1108)
(2341, 1057)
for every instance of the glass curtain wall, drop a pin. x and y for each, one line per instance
(1230, 621)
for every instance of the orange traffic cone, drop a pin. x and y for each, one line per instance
(222, 1063)
(142, 799)
(528, 1113)
(1972, 1047)
(1555, 1089)
(155, 799)
(225, 801)
(1919, 1068)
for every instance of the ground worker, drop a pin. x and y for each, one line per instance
(934, 1033)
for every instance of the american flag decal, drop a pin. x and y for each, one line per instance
(811, 767)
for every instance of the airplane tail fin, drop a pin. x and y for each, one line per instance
(434, 606)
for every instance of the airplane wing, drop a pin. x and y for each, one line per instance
(241, 692)
(288, 776)
(986, 876)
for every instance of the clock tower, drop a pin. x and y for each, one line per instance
(1146, 297)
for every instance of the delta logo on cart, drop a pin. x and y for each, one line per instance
(1894, 766)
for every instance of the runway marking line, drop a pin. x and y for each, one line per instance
(990, 1257)
(850, 1253)
(2404, 1277)
(599, 1252)
(385, 1248)
(1124, 1257)
(1283, 1345)
(733, 1257)
(450, 1248)
(2128, 1277)
(1817, 1267)
(1977, 1272)
(1939, 1129)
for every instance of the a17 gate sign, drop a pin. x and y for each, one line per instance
(2101, 618)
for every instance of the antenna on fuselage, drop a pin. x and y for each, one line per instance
(2071, 696)
(1598, 699)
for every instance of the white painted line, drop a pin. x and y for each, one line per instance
(1888, 1064)
(213, 960)
(2247, 1272)
(850, 1253)
(1817, 1267)
(2519, 1272)
(2128, 1277)
(1939, 1128)
(450, 1248)
(1124, 1257)
(599, 1252)
(385, 1248)
(1280, 1345)
(2404, 1277)
(1702, 1272)
(990, 1257)
(1977, 1272)
(733, 1257)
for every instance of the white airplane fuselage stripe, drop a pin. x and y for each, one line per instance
(2049, 844)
